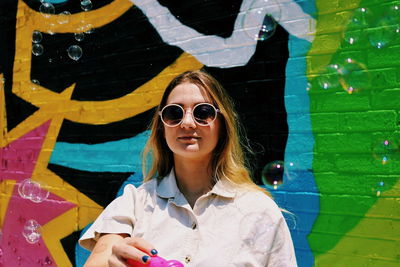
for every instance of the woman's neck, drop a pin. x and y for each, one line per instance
(194, 178)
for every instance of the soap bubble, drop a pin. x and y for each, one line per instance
(259, 21)
(63, 17)
(86, 5)
(32, 190)
(382, 34)
(34, 84)
(47, 9)
(362, 18)
(379, 188)
(50, 28)
(79, 36)
(75, 52)
(37, 49)
(88, 28)
(291, 220)
(31, 231)
(384, 151)
(36, 37)
(257, 231)
(328, 77)
(272, 174)
(354, 76)
(352, 37)
(267, 29)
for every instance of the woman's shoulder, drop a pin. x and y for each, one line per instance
(257, 201)
(146, 188)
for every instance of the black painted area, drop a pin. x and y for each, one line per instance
(207, 17)
(17, 109)
(258, 91)
(116, 59)
(69, 242)
(73, 132)
(101, 187)
(72, 6)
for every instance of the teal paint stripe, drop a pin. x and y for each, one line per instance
(115, 156)
(298, 153)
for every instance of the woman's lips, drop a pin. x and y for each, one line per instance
(188, 138)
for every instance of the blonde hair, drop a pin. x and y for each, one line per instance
(228, 160)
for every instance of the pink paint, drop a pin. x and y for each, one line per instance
(20, 156)
(18, 162)
(16, 250)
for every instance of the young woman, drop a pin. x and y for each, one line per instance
(198, 204)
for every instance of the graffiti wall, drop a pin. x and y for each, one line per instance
(316, 84)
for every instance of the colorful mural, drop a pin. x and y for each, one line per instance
(316, 83)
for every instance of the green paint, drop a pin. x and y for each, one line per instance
(350, 126)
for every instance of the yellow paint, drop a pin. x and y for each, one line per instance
(7, 187)
(331, 24)
(57, 229)
(90, 112)
(56, 107)
(374, 240)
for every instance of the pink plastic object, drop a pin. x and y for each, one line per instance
(156, 261)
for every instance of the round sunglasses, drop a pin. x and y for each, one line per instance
(203, 114)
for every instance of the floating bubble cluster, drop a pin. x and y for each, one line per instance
(33, 191)
(32, 231)
(379, 26)
(351, 76)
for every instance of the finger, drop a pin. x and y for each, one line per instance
(142, 245)
(127, 251)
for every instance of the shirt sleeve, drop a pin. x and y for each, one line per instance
(282, 252)
(117, 218)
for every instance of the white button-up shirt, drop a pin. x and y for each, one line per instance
(228, 226)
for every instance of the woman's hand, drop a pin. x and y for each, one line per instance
(115, 249)
(134, 248)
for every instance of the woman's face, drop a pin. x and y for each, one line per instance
(189, 140)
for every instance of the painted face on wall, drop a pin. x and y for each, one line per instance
(189, 140)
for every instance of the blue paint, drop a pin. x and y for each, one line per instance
(299, 192)
(81, 254)
(116, 156)
(135, 179)
(308, 7)
(55, 1)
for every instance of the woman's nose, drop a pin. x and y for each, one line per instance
(188, 120)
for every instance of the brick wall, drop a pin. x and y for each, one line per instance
(316, 84)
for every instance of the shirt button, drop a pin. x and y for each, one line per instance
(194, 225)
(188, 259)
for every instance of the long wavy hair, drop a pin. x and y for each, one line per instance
(228, 160)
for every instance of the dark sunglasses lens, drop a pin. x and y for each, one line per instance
(204, 114)
(172, 115)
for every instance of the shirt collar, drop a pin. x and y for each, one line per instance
(167, 187)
